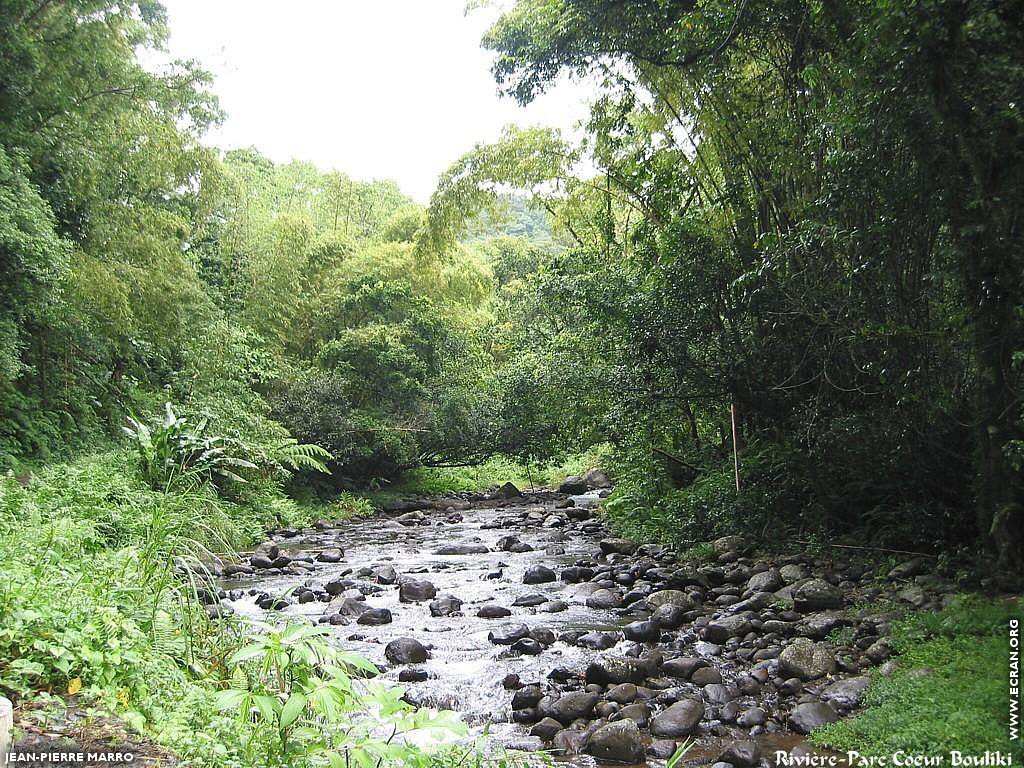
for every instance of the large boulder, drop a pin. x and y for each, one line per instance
(405, 650)
(673, 597)
(416, 591)
(720, 630)
(807, 660)
(596, 479)
(462, 549)
(445, 605)
(742, 754)
(618, 546)
(618, 742)
(806, 717)
(507, 491)
(538, 574)
(618, 669)
(508, 635)
(573, 485)
(846, 694)
(679, 720)
(374, 617)
(604, 599)
(816, 595)
(766, 581)
(568, 707)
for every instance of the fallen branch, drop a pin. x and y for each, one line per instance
(869, 549)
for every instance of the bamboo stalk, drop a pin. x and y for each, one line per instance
(735, 447)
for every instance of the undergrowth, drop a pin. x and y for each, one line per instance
(949, 691)
(93, 605)
(494, 472)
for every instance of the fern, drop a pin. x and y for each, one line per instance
(301, 456)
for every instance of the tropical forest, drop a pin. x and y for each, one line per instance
(688, 434)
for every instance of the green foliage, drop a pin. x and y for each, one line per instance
(175, 453)
(298, 696)
(497, 471)
(946, 693)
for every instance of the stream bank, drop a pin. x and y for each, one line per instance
(525, 615)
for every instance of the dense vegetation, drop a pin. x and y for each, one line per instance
(788, 301)
(806, 214)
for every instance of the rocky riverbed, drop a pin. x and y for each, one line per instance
(524, 613)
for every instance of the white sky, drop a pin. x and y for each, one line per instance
(375, 88)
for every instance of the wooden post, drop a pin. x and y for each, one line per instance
(735, 447)
(6, 728)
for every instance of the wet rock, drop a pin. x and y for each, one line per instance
(706, 676)
(752, 717)
(598, 641)
(767, 581)
(678, 720)
(816, 595)
(529, 601)
(410, 519)
(553, 606)
(527, 697)
(575, 574)
(571, 706)
(720, 630)
(604, 599)
(538, 574)
(349, 606)
(492, 611)
(642, 631)
(543, 635)
(618, 546)
(445, 605)
(386, 575)
(546, 729)
(416, 591)
(624, 693)
(526, 646)
(846, 694)
(413, 676)
(716, 693)
(507, 491)
(374, 617)
(742, 754)
(569, 742)
(673, 597)
(617, 669)
(618, 742)
(669, 616)
(639, 713)
(573, 485)
(661, 749)
(405, 650)
(332, 555)
(261, 561)
(462, 549)
(508, 635)
(804, 718)
(807, 660)
(682, 668)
